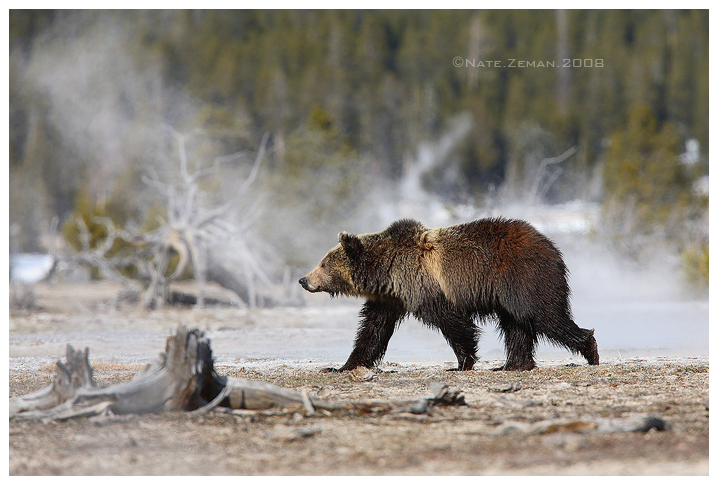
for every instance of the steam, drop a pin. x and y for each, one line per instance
(106, 98)
(102, 101)
(414, 201)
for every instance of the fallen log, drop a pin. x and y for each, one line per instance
(184, 379)
(637, 423)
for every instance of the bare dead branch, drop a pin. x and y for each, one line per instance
(210, 216)
(255, 167)
(536, 191)
(98, 256)
(183, 379)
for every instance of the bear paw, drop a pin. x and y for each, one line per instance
(328, 370)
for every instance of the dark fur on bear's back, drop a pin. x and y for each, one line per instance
(447, 277)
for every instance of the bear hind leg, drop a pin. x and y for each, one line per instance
(590, 349)
(578, 340)
(585, 344)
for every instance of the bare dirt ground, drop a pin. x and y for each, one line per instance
(489, 436)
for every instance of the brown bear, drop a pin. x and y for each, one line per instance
(450, 277)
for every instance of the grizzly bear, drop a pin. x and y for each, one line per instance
(449, 278)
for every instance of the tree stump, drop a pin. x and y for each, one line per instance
(184, 379)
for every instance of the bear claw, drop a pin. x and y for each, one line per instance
(328, 370)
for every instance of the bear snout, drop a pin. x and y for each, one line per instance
(305, 284)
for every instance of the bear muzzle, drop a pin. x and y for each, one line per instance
(307, 286)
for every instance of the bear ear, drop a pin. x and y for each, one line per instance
(350, 243)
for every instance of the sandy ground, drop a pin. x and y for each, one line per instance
(489, 436)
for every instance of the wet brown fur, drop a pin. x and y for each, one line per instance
(450, 277)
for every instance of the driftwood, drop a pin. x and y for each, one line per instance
(184, 379)
(637, 423)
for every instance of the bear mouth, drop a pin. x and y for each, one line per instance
(307, 286)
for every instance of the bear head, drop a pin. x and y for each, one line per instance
(335, 273)
(375, 265)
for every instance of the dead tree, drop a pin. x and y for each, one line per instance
(190, 230)
(184, 379)
(539, 187)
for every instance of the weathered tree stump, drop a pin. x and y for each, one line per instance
(184, 379)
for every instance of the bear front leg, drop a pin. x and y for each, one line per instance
(379, 320)
(463, 337)
(520, 342)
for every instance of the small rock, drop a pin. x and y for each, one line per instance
(419, 407)
(303, 433)
(446, 396)
(512, 387)
(637, 423)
